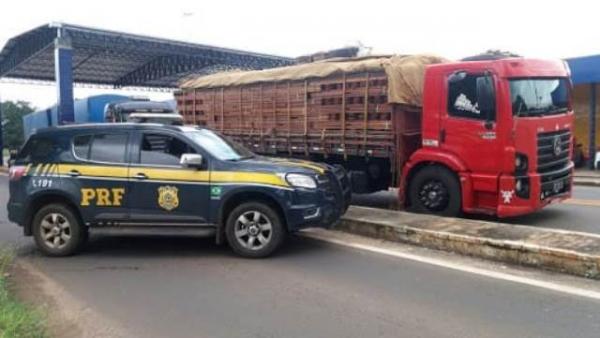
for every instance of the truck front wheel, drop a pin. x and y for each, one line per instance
(435, 190)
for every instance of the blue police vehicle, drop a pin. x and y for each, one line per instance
(66, 180)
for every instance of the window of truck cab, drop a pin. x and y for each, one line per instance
(539, 96)
(465, 93)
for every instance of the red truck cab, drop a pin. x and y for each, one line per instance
(497, 138)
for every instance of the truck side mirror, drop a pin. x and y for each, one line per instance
(191, 161)
(486, 97)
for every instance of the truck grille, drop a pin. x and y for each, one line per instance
(553, 151)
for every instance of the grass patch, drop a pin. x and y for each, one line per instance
(16, 319)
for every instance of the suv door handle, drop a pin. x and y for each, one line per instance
(74, 173)
(140, 176)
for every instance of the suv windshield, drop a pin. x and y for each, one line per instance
(539, 96)
(219, 146)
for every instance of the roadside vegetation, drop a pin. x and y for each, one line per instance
(16, 319)
(12, 122)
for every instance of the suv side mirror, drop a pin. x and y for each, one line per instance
(486, 97)
(191, 161)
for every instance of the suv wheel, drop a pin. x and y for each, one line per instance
(57, 230)
(254, 230)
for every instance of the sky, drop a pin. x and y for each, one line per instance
(453, 29)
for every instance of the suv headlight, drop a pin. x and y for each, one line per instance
(301, 181)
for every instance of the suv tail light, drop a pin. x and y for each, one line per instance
(16, 172)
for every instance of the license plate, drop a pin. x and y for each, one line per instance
(558, 186)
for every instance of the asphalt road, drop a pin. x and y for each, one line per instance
(560, 216)
(189, 287)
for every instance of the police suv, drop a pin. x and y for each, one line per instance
(68, 179)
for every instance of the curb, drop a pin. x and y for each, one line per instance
(4, 170)
(556, 250)
(585, 181)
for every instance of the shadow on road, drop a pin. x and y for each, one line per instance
(149, 246)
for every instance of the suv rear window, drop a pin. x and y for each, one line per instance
(81, 146)
(37, 150)
(110, 148)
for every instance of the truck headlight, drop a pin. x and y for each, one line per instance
(522, 187)
(301, 181)
(521, 163)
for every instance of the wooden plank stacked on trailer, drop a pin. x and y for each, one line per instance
(346, 114)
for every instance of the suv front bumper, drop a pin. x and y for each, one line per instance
(322, 207)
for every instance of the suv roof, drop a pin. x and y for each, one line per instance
(115, 126)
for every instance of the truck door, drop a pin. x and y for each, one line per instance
(163, 192)
(469, 128)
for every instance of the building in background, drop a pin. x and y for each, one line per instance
(585, 73)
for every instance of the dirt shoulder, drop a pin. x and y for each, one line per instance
(67, 317)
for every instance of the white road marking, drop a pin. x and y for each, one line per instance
(583, 202)
(459, 267)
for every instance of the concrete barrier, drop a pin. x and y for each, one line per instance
(557, 250)
(587, 181)
(587, 177)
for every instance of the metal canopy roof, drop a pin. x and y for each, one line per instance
(585, 69)
(106, 57)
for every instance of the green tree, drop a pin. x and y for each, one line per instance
(12, 121)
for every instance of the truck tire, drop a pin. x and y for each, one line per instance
(435, 190)
(57, 230)
(254, 230)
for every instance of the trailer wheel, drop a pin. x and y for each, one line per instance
(435, 190)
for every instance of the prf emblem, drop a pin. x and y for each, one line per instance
(167, 197)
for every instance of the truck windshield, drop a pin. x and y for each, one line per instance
(219, 146)
(539, 96)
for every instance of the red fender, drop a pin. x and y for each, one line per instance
(434, 156)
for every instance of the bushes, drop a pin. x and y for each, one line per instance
(16, 319)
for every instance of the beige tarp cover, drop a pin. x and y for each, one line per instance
(404, 72)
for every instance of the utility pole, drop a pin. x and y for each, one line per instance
(63, 69)
(592, 125)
